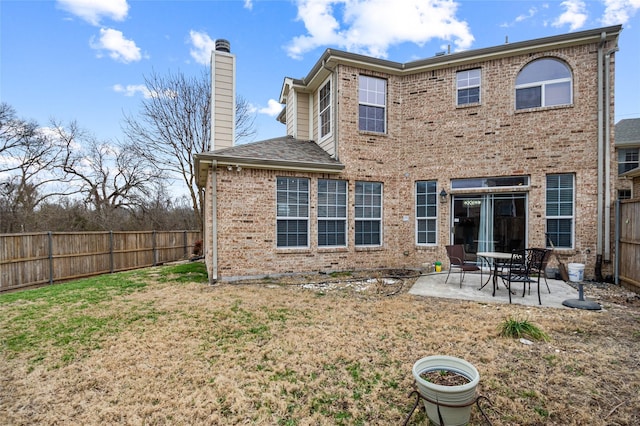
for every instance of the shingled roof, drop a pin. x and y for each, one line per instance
(628, 132)
(283, 153)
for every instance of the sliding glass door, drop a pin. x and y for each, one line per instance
(490, 222)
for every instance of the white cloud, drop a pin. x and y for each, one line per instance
(372, 26)
(132, 89)
(119, 48)
(203, 45)
(94, 10)
(619, 11)
(272, 109)
(533, 11)
(575, 14)
(248, 4)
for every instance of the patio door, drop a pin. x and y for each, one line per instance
(490, 222)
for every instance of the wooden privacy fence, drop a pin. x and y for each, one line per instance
(30, 259)
(629, 243)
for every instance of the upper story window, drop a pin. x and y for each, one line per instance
(372, 97)
(324, 110)
(468, 83)
(627, 159)
(292, 214)
(544, 82)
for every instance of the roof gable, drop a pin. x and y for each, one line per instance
(628, 132)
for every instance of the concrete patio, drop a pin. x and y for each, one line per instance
(433, 285)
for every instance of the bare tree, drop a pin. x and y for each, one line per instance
(15, 134)
(174, 123)
(30, 161)
(245, 121)
(109, 177)
(61, 178)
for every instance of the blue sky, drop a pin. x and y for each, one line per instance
(84, 60)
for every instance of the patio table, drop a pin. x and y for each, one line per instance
(496, 258)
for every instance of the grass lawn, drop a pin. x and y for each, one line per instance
(161, 346)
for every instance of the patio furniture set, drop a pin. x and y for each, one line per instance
(521, 266)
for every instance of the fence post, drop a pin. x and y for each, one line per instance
(186, 254)
(111, 251)
(155, 252)
(50, 238)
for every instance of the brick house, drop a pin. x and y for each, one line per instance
(627, 143)
(385, 163)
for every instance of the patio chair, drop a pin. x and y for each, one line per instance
(543, 270)
(523, 268)
(457, 259)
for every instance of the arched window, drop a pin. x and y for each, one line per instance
(544, 82)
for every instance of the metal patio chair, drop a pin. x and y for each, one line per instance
(457, 259)
(524, 268)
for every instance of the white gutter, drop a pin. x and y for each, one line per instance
(603, 38)
(607, 163)
(214, 223)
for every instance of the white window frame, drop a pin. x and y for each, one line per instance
(466, 81)
(368, 95)
(544, 85)
(365, 209)
(622, 159)
(557, 201)
(430, 197)
(329, 209)
(284, 208)
(625, 194)
(324, 114)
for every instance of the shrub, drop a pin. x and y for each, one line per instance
(516, 328)
(197, 248)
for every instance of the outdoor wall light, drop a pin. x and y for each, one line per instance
(443, 196)
(229, 167)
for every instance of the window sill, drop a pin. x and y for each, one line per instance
(545, 108)
(325, 137)
(369, 248)
(293, 250)
(369, 133)
(470, 105)
(336, 249)
(564, 251)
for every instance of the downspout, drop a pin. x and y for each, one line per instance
(598, 266)
(616, 267)
(607, 163)
(336, 139)
(213, 277)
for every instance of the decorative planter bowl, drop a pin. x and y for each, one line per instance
(447, 405)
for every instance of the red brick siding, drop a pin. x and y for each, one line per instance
(428, 137)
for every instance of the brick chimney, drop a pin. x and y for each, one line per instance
(223, 96)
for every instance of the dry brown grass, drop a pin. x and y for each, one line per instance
(277, 353)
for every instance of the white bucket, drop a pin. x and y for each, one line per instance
(576, 272)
